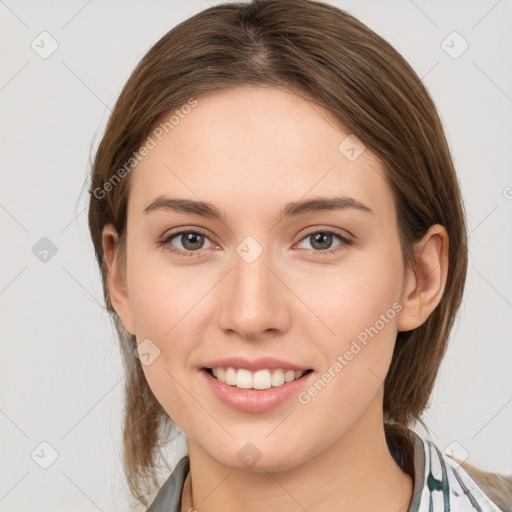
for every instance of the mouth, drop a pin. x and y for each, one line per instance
(262, 379)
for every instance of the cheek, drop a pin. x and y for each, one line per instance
(163, 308)
(168, 386)
(352, 299)
(163, 302)
(360, 306)
(162, 295)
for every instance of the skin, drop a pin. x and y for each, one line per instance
(292, 302)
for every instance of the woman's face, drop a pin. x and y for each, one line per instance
(267, 279)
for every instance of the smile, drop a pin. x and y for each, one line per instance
(261, 379)
(243, 393)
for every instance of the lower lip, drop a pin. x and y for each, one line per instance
(255, 400)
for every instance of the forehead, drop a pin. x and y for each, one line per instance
(254, 148)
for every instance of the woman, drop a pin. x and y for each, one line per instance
(282, 242)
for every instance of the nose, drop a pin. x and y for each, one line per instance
(255, 303)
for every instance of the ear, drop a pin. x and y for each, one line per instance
(424, 285)
(116, 278)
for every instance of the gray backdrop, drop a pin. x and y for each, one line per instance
(63, 66)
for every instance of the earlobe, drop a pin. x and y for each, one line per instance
(116, 278)
(425, 283)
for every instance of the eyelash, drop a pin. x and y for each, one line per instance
(166, 242)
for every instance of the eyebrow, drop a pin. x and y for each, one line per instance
(290, 210)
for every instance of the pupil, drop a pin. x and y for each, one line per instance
(321, 239)
(191, 241)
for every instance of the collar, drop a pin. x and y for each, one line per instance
(440, 483)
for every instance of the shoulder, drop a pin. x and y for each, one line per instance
(497, 487)
(461, 486)
(443, 483)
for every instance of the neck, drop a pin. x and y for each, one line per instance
(356, 473)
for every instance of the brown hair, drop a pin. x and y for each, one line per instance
(313, 49)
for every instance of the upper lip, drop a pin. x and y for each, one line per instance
(253, 365)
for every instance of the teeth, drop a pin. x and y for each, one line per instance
(277, 378)
(243, 378)
(289, 376)
(231, 376)
(262, 379)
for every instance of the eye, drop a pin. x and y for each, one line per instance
(191, 242)
(322, 240)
